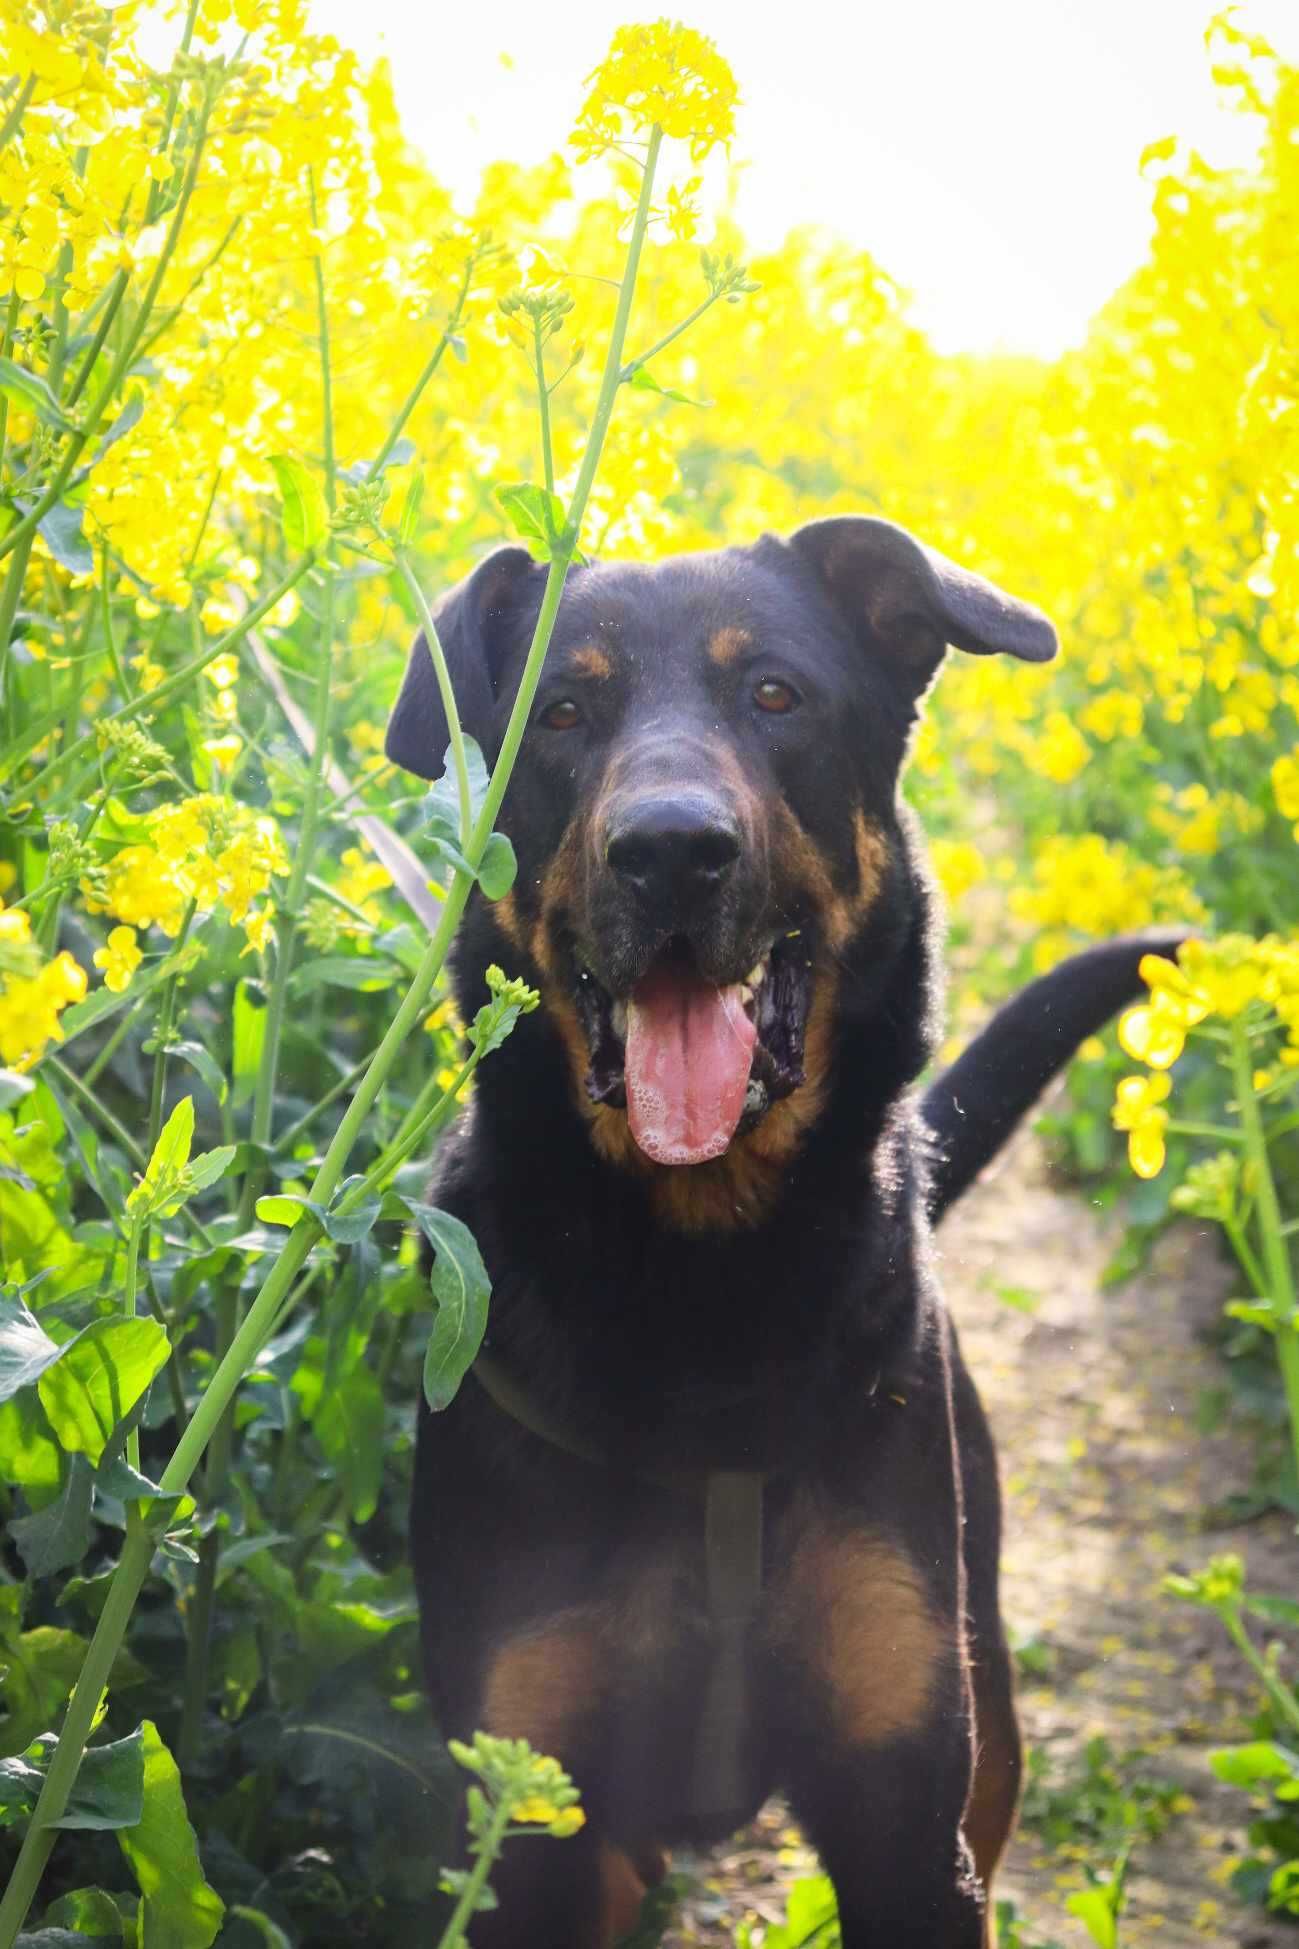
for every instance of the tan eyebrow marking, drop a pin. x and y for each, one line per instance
(725, 645)
(592, 661)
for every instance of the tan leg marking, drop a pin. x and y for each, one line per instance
(856, 1608)
(541, 1685)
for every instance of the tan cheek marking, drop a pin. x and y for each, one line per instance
(540, 1687)
(726, 645)
(592, 661)
(506, 914)
(801, 863)
(856, 1608)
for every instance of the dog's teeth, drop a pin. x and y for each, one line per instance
(746, 992)
(757, 974)
(618, 1016)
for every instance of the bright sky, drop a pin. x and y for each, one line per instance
(985, 151)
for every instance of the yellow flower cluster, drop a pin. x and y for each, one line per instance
(32, 994)
(1095, 886)
(664, 74)
(1210, 980)
(200, 851)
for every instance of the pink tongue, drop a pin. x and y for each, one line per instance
(689, 1047)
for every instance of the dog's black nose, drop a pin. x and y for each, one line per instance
(670, 849)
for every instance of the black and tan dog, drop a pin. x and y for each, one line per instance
(719, 1512)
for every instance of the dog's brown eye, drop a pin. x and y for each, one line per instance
(770, 695)
(561, 716)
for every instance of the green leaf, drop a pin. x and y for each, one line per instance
(205, 1169)
(170, 1156)
(31, 394)
(1260, 1759)
(108, 1791)
(441, 807)
(29, 1457)
(60, 1939)
(1277, 1610)
(205, 1063)
(58, 1535)
(98, 1378)
(304, 514)
(271, 1934)
(348, 1424)
(125, 1484)
(643, 381)
(178, 1909)
(126, 419)
(13, 1088)
(286, 1208)
(365, 973)
(534, 514)
(462, 1289)
(1095, 1909)
(498, 867)
(26, 1349)
(42, 1667)
(60, 530)
(88, 1910)
(348, 1228)
(409, 520)
(249, 1037)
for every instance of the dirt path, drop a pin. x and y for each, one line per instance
(1093, 1398)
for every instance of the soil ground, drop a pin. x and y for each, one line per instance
(1110, 1484)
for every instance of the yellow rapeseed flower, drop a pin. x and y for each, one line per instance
(119, 958)
(1138, 1109)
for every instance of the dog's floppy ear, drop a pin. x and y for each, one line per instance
(912, 601)
(469, 621)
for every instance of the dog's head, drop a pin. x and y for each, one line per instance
(705, 807)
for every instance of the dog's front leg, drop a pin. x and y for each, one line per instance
(886, 1822)
(869, 1703)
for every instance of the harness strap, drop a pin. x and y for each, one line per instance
(733, 1512)
(733, 1569)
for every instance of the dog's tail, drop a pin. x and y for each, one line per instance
(971, 1109)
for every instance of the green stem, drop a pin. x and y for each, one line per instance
(288, 1138)
(326, 379)
(634, 365)
(1282, 1700)
(6, 340)
(15, 115)
(543, 407)
(169, 114)
(453, 1935)
(435, 359)
(137, 1231)
(429, 1122)
(447, 693)
(1221, 1133)
(162, 1033)
(609, 383)
(117, 291)
(1275, 1251)
(137, 1553)
(1248, 1257)
(290, 909)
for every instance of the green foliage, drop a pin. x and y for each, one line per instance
(1100, 1800)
